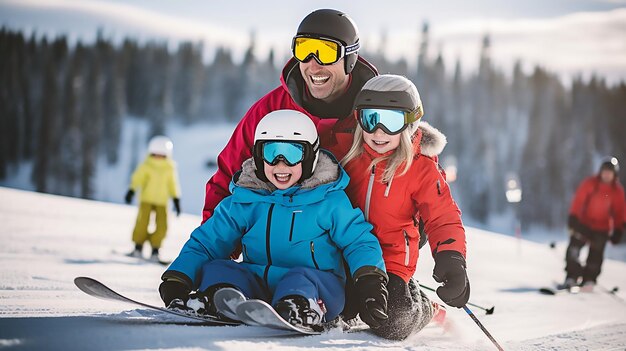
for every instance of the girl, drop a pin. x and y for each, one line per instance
(296, 225)
(396, 181)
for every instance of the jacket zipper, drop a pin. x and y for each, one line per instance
(407, 253)
(245, 252)
(368, 195)
(267, 244)
(388, 187)
(293, 220)
(313, 255)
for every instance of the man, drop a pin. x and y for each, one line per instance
(321, 80)
(596, 215)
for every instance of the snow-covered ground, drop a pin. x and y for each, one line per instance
(46, 241)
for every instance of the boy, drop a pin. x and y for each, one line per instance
(296, 225)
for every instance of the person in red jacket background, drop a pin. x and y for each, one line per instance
(596, 215)
(320, 80)
(395, 180)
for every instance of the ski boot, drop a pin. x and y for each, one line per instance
(136, 253)
(569, 283)
(154, 257)
(197, 304)
(439, 314)
(301, 312)
(587, 286)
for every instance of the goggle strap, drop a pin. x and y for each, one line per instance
(352, 48)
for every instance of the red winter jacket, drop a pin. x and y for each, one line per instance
(291, 94)
(598, 205)
(394, 208)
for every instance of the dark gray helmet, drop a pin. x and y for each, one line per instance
(335, 25)
(610, 163)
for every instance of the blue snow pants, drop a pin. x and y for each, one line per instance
(303, 281)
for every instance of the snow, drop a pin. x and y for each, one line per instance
(48, 240)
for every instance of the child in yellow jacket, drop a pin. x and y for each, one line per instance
(157, 180)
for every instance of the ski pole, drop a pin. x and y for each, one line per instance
(488, 310)
(482, 327)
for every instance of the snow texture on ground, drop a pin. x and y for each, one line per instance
(48, 240)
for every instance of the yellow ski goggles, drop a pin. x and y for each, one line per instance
(325, 51)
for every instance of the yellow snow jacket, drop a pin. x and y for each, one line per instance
(157, 180)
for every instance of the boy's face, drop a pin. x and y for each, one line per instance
(380, 141)
(281, 175)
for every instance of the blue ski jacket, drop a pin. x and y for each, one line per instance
(312, 224)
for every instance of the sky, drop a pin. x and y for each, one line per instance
(570, 37)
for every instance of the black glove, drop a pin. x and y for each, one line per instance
(175, 285)
(617, 236)
(574, 225)
(177, 206)
(450, 270)
(371, 288)
(129, 196)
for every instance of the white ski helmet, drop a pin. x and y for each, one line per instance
(161, 145)
(287, 125)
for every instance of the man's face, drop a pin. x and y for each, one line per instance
(326, 83)
(607, 175)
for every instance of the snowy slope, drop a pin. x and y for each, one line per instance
(48, 240)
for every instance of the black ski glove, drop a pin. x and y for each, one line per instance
(450, 270)
(177, 206)
(617, 236)
(175, 285)
(129, 196)
(371, 288)
(574, 225)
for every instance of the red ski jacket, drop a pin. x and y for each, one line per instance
(291, 94)
(395, 208)
(598, 205)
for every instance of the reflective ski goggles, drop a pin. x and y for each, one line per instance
(290, 152)
(325, 51)
(391, 121)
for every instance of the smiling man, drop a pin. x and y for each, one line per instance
(321, 80)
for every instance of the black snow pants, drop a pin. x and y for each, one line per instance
(593, 265)
(409, 310)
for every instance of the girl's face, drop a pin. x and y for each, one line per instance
(380, 141)
(281, 175)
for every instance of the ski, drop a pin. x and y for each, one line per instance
(142, 259)
(95, 288)
(559, 291)
(260, 313)
(226, 301)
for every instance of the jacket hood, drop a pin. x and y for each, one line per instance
(292, 81)
(432, 141)
(328, 176)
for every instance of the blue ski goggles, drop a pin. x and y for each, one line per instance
(391, 121)
(289, 152)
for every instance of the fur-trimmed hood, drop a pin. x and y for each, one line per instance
(431, 140)
(326, 171)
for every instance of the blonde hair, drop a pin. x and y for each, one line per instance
(404, 153)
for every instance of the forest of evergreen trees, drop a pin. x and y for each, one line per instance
(62, 108)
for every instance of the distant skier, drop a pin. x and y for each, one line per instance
(157, 181)
(289, 210)
(596, 215)
(395, 180)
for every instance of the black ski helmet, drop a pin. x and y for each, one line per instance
(610, 163)
(333, 24)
